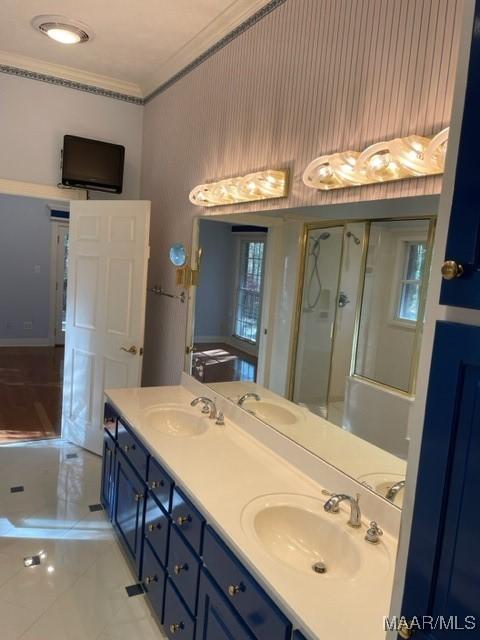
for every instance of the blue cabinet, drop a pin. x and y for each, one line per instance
(129, 509)
(170, 546)
(298, 636)
(217, 620)
(443, 568)
(108, 473)
(463, 244)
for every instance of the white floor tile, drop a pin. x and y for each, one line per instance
(14, 620)
(35, 588)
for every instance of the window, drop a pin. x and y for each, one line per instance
(411, 279)
(249, 297)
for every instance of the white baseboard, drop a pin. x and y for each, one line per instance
(25, 342)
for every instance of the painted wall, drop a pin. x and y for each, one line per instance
(34, 116)
(25, 241)
(213, 309)
(310, 78)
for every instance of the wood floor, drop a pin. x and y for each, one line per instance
(30, 393)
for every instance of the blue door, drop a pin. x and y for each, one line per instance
(129, 507)
(442, 590)
(216, 619)
(463, 244)
(108, 473)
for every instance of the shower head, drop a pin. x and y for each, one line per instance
(355, 238)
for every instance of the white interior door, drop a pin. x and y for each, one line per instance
(106, 295)
(60, 283)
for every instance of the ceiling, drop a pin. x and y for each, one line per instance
(137, 45)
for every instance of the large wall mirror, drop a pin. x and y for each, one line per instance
(315, 326)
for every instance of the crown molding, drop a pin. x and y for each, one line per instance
(235, 16)
(68, 75)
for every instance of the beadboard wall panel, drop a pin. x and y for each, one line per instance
(312, 77)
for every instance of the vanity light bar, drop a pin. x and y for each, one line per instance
(396, 159)
(262, 185)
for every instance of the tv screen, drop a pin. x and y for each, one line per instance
(92, 164)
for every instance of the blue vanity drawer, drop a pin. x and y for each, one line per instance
(184, 569)
(154, 579)
(188, 520)
(160, 484)
(132, 449)
(245, 595)
(157, 528)
(177, 621)
(298, 636)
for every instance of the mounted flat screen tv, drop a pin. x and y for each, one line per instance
(92, 164)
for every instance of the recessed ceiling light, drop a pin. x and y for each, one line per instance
(62, 29)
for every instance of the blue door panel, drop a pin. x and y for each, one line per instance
(216, 619)
(443, 568)
(153, 580)
(463, 243)
(129, 509)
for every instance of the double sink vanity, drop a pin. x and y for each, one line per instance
(228, 537)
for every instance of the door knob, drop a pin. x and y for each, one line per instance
(405, 630)
(451, 270)
(132, 350)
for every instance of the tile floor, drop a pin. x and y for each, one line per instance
(78, 590)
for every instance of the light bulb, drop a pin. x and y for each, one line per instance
(64, 36)
(380, 161)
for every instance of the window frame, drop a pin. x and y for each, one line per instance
(399, 271)
(241, 238)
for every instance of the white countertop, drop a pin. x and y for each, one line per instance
(222, 471)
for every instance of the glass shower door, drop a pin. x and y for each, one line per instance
(323, 258)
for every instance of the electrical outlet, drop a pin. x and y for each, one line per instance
(28, 325)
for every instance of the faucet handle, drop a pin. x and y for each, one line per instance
(373, 533)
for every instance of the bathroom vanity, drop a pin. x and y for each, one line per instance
(225, 535)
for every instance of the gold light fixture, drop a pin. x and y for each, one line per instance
(262, 185)
(396, 159)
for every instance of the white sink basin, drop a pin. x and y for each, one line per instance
(270, 412)
(382, 482)
(176, 421)
(297, 531)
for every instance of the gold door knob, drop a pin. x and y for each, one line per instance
(132, 350)
(405, 630)
(451, 270)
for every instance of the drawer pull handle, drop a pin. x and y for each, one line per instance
(150, 579)
(127, 447)
(233, 589)
(152, 527)
(178, 568)
(109, 452)
(174, 628)
(155, 484)
(138, 497)
(181, 520)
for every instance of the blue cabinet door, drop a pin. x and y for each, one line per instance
(443, 569)
(216, 618)
(108, 474)
(463, 244)
(129, 509)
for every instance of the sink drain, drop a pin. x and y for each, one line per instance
(319, 567)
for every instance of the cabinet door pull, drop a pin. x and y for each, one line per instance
(138, 497)
(174, 628)
(178, 568)
(152, 527)
(150, 579)
(181, 520)
(233, 589)
(155, 484)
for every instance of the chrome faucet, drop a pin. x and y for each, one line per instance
(209, 406)
(394, 489)
(241, 400)
(333, 503)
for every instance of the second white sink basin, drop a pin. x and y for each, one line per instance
(295, 530)
(176, 421)
(271, 412)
